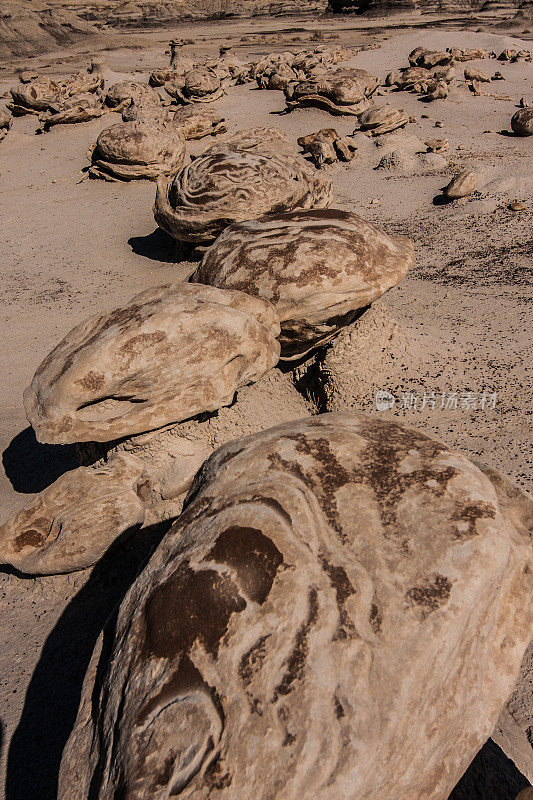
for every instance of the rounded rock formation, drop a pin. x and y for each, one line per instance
(330, 582)
(172, 353)
(70, 525)
(318, 268)
(132, 150)
(247, 176)
(461, 186)
(522, 122)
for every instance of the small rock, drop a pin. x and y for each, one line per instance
(437, 145)
(461, 186)
(516, 205)
(472, 74)
(438, 124)
(497, 77)
(523, 102)
(522, 122)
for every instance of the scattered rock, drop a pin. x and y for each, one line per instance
(517, 205)
(473, 74)
(437, 145)
(383, 120)
(6, 121)
(199, 85)
(326, 147)
(522, 122)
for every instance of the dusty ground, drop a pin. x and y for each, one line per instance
(70, 249)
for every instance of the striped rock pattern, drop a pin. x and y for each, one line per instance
(243, 178)
(318, 268)
(340, 612)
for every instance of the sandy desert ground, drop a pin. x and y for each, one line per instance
(73, 247)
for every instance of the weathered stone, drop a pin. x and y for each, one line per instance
(199, 85)
(318, 268)
(249, 175)
(330, 583)
(120, 95)
(6, 121)
(383, 120)
(522, 122)
(131, 150)
(344, 91)
(70, 525)
(473, 74)
(437, 90)
(197, 122)
(468, 55)
(172, 455)
(81, 108)
(461, 185)
(172, 353)
(413, 78)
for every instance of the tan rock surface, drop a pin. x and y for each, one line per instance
(342, 597)
(318, 268)
(72, 523)
(461, 185)
(172, 353)
(196, 122)
(120, 95)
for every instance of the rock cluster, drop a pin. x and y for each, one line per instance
(342, 92)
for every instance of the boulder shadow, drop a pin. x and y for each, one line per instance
(160, 246)
(31, 466)
(490, 776)
(53, 695)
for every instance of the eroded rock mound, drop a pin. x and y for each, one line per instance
(131, 150)
(120, 95)
(71, 524)
(199, 85)
(330, 582)
(318, 268)
(249, 175)
(172, 353)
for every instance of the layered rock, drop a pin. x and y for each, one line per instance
(133, 150)
(340, 611)
(253, 174)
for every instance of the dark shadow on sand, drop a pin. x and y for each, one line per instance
(31, 466)
(160, 246)
(53, 695)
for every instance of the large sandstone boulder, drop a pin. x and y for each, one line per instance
(72, 523)
(132, 150)
(340, 612)
(240, 179)
(318, 268)
(172, 353)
